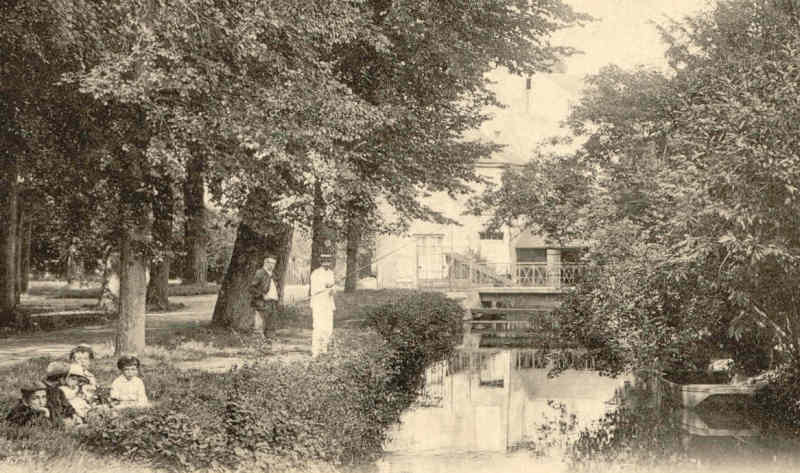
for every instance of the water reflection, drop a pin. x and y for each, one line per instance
(482, 406)
(497, 410)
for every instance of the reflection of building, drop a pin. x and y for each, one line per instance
(492, 400)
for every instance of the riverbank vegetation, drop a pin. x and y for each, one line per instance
(268, 415)
(684, 190)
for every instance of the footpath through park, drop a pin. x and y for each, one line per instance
(196, 310)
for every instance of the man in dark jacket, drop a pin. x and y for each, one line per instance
(264, 298)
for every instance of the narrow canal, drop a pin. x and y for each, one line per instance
(498, 411)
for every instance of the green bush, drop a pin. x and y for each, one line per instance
(424, 327)
(778, 402)
(335, 409)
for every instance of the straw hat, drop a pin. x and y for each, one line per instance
(77, 370)
(57, 369)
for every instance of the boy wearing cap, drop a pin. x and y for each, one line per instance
(264, 298)
(32, 407)
(322, 306)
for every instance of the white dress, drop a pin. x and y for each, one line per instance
(76, 401)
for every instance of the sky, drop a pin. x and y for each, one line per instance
(621, 35)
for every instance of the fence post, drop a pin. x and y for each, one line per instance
(554, 267)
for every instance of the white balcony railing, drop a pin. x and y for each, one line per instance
(462, 273)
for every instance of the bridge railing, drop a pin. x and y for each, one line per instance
(462, 274)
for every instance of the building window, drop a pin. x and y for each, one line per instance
(531, 255)
(491, 235)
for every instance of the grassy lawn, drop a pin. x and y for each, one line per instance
(51, 451)
(167, 347)
(177, 388)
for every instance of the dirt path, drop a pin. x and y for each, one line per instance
(196, 310)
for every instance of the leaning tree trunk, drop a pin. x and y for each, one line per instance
(282, 261)
(233, 309)
(8, 237)
(136, 224)
(196, 269)
(256, 238)
(353, 243)
(163, 211)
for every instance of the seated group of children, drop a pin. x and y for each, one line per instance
(69, 394)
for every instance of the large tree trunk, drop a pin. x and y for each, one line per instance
(353, 243)
(158, 287)
(163, 211)
(317, 228)
(323, 237)
(196, 269)
(8, 237)
(282, 261)
(18, 247)
(26, 254)
(136, 224)
(233, 309)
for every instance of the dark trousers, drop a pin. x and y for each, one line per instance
(267, 311)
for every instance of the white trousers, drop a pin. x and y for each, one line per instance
(322, 332)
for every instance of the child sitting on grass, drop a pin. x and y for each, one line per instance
(61, 411)
(127, 390)
(71, 386)
(32, 407)
(83, 355)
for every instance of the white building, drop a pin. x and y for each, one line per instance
(455, 257)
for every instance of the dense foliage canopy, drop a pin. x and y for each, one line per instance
(685, 187)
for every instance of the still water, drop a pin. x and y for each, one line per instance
(498, 411)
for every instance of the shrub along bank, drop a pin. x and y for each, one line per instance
(336, 409)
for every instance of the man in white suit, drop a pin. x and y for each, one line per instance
(322, 306)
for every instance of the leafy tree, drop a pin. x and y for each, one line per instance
(431, 80)
(693, 190)
(33, 54)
